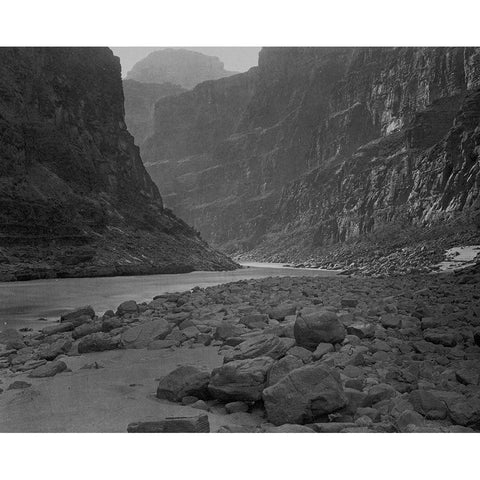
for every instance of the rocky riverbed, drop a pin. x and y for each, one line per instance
(338, 354)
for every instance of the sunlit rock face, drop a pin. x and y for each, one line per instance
(75, 196)
(320, 145)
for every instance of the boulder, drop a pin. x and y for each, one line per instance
(321, 326)
(128, 307)
(258, 346)
(228, 330)
(197, 424)
(142, 335)
(59, 328)
(97, 342)
(86, 329)
(242, 380)
(282, 368)
(321, 350)
(427, 404)
(281, 311)
(184, 381)
(50, 369)
(439, 338)
(304, 395)
(78, 316)
(49, 351)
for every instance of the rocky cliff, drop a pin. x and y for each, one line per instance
(140, 99)
(75, 197)
(178, 66)
(322, 146)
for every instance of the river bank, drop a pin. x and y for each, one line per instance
(367, 354)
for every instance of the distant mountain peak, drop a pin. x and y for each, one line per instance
(178, 66)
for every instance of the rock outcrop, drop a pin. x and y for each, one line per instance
(140, 99)
(75, 197)
(178, 66)
(321, 146)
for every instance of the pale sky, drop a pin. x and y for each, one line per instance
(238, 59)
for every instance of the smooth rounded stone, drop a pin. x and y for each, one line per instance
(321, 326)
(286, 428)
(255, 320)
(86, 329)
(189, 399)
(304, 395)
(352, 371)
(379, 392)
(79, 315)
(283, 367)
(142, 335)
(107, 314)
(53, 350)
(227, 330)
(258, 346)
(19, 385)
(439, 338)
(409, 418)
(97, 342)
(427, 404)
(191, 332)
(281, 311)
(59, 328)
(184, 381)
(302, 353)
(242, 380)
(468, 376)
(370, 412)
(321, 350)
(197, 424)
(128, 307)
(111, 323)
(50, 369)
(199, 405)
(235, 407)
(391, 320)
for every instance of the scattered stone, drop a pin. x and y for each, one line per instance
(19, 385)
(78, 316)
(281, 311)
(97, 342)
(258, 346)
(304, 395)
(317, 327)
(184, 381)
(242, 380)
(142, 335)
(235, 407)
(50, 369)
(321, 350)
(198, 424)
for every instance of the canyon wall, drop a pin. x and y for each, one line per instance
(319, 146)
(75, 197)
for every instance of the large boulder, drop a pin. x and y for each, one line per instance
(142, 335)
(304, 395)
(49, 351)
(321, 326)
(97, 342)
(281, 311)
(79, 315)
(240, 380)
(258, 346)
(282, 368)
(198, 424)
(182, 382)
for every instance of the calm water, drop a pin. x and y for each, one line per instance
(22, 303)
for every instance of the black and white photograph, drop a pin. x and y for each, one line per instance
(239, 238)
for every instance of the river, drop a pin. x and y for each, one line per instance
(23, 303)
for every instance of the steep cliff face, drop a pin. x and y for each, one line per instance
(327, 144)
(75, 197)
(178, 66)
(140, 99)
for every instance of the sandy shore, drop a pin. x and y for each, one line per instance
(105, 399)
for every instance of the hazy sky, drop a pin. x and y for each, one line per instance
(238, 59)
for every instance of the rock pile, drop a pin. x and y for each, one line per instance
(333, 354)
